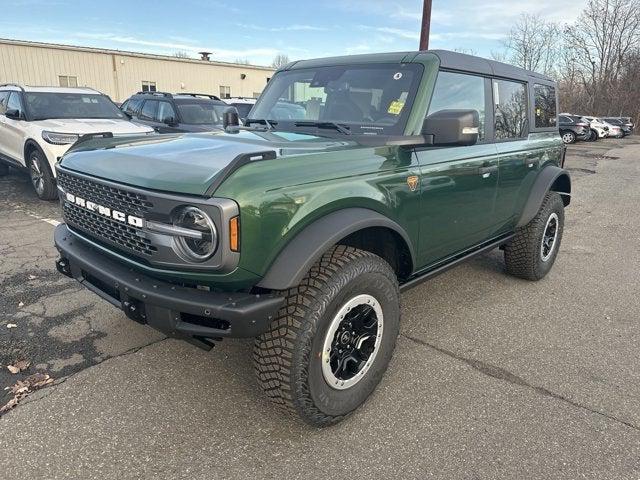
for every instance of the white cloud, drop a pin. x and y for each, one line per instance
(287, 28)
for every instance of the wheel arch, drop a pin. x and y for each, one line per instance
(551, 178)
(29, 146)
(357, 227)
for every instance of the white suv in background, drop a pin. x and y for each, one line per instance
(242, 104)
(600, 127)
(39, 124)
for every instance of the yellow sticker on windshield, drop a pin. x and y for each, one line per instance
(396, 107)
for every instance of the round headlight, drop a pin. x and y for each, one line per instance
(193, 248)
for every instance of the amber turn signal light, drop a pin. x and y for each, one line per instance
(234, 234)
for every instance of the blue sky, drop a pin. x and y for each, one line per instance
(258, 30)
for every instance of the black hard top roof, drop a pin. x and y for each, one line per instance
(448, 60)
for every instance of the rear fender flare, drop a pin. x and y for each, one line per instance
(551, 178)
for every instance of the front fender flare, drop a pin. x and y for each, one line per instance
(299, 255)
(550, 178)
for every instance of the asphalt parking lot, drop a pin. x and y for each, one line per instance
(493, 377)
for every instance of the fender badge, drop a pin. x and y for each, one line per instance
(412, 181)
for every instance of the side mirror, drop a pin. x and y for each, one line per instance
(230, 118)
(453, 128)
(14, 114)
(169, 121)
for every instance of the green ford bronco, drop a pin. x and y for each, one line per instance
(353, 179)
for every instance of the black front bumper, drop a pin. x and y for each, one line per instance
(198, 316)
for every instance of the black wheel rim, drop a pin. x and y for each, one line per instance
(549, 237)
(352, 342)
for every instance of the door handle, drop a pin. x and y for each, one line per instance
(485, 172)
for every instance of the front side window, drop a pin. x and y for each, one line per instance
(67, 81)
(148, 86)
(371, 99)
(14, 102)
(46, 105)
(458, 91)
(545, 98)
(510, 100)
(225, 92)
(149, 109)
(166, 113)
(132, 107)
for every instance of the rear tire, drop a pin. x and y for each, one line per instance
(568, 137)
(41, 176)
(594, 136)
(533, 251)
(332, 341)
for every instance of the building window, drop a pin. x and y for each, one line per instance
(68, 81)
(148, 86)
(225, 92)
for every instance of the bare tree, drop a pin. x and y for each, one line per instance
(280, 60)
(533, 44)
(242, 61)
(181, 54)
(605, 35)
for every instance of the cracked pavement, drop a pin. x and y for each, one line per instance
(492, 377)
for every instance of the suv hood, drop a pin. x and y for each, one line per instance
(185, 163)
(92, 125)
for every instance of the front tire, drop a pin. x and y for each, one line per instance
(594, 136)
(332, 341)
(568, 137)
(41, 176)
(533, 251)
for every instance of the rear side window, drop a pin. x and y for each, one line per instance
(545, 98)
(510, 100)
(458, 91)
(4, 98)
(148, 111)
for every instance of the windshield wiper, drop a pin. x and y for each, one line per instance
(336, 126)
(270, 124)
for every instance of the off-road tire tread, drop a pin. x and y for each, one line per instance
(521, 253)
(273, 351)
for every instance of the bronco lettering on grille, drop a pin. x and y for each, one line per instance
(106, 211)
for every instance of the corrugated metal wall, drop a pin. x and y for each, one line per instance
(120, 74)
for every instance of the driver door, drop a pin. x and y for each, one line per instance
(458, 184)
(12, 129)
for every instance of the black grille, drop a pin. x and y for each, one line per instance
(116, 198)
(101, 227)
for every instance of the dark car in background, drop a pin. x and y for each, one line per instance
(573, 128)
(626, 126)
(176, 113)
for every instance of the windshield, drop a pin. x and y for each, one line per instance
(201, 113)
(373, 99)
(46, 105)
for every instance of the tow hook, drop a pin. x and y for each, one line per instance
(134, 310)
(62, 265)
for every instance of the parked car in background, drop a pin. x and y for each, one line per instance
(599, 129)
(242, 104)
(627, 129)
(573, 128)
(39, 124)
(615, 131)
(176, 113)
